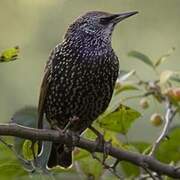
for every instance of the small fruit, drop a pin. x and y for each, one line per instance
(144, 103)
(173, 93)
(156, 119)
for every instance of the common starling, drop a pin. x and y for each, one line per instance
(79, 78)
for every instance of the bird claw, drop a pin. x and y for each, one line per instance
(71, 121)
(74, 138)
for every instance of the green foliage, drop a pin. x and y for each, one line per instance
(80, 154)
(129, 169)
(124, 87)
(10, 168)
(91, 167)
(142, 57)
(10, 54)
(120, 120)
(27, 150)
(169, 151)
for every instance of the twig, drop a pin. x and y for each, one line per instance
(170, 113)
(11, 148)
(106, 166)
(150, 173)
(56, 136)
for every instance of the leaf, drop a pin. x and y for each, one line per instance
(126, 76)
(175, 78)
(89, 134)
(91, 167)
(12, 170)
(119, 120)
(164, 57)
(115, 141)
(165, 76)
(27, 150)
(10, 54)
(130, 170)
(80, 154)
(124, 87)
(169, 151)
(142, 147)
(142, 57)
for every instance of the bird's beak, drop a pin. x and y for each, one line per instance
(116, 18)
(122, 16)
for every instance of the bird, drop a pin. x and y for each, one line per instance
(79, 78)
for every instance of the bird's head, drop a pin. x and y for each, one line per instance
(96, 24)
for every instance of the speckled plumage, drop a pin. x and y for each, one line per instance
(79, 77)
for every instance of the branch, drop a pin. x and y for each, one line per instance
(119, 154)
(170, 113)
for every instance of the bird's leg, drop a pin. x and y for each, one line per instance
(101, 142)
(54, 125)
(71, 121)
(74, 139)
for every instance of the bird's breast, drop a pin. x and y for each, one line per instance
(81, 86)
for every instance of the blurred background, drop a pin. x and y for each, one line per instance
(38, 25)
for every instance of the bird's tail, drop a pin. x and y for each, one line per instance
(60, 155)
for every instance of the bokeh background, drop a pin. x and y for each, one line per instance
(38, 25)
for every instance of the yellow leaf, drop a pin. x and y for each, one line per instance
(27, 150)
(10, 54)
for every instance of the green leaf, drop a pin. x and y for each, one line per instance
(12, 170)
(169, 151)
(142, 147)
(142, 57)
(119, 120)
(129, 169)
(175, 78)
(124, 87)
(164, 57)
(90, 135)
(80, 154)
(27, 150)
(124, 77)
(10, 54)
(91, 167)
(115, 141)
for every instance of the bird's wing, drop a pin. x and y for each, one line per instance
(44, 89)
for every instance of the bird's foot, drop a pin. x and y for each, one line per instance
(74, 139)
(54, 125)
(72, 120)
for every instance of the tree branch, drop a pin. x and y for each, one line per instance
(119, 154)
(170, 113)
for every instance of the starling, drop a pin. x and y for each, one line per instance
(79, 78)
